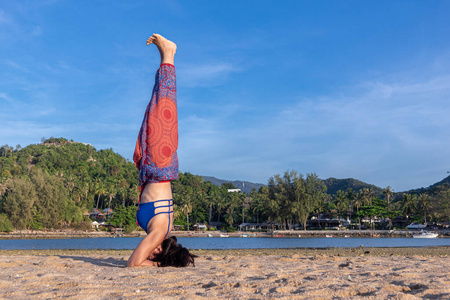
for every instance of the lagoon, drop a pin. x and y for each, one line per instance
(215, 243)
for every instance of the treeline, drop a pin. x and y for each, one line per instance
(52, 184)
(292, 199)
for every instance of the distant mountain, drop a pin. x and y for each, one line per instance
(245, 186)
(334, 185)
(431, 187)
(445, 180)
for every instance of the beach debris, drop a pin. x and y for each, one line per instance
(255, 278)
(345, 265)
(209, 285)
(349, 278)
(298, 291)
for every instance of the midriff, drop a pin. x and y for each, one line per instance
(156, 191)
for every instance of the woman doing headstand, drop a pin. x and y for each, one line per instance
(156, 158)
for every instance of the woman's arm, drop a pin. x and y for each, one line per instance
(145, 247)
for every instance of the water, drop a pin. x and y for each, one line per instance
(221, 243)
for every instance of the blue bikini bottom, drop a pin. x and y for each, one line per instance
(146, 212)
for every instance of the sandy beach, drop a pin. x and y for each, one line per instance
(337, 273)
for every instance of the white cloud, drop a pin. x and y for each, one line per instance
(204, 75)
(5, 97)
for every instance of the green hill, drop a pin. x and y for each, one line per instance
(55, 182)
(334, 185)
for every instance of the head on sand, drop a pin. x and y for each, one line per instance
(173, 254)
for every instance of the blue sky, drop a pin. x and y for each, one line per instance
(342, 88)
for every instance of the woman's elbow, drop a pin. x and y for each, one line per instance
(131, 263)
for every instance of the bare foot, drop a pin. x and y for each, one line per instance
(167, 49)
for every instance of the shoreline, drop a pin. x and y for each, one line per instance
(429, 251)
(64, 234)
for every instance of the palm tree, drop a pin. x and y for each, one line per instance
(98, 191)
(186, 208)
(408, 204)
(234, 201)
(112, 193)
(367, 196)
(230, 214)
(210, 200)
(357, 202)
(340, 201)
(245, 204)
(424, 204)
(388, 194)
(256, 203)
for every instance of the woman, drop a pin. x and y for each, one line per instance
(156, 158)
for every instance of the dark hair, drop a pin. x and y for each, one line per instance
(173, 254)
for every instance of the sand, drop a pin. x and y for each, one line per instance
(356, 273)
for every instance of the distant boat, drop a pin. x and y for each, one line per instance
(224, 235)
(210, 235)
(425, 235)
(347, 236)
(244, 235)
(328, 235)
(299, 235)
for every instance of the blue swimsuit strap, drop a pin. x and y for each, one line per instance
(164, 212)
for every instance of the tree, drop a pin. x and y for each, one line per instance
(5, 224)
(367, 196)
(124, 217)
(442, 207)
(357, 202)
(376, 209)
(212, 199)
(388, 193)
(408, 204)
(111, 191)
(186, 208)
(257, 201)
(308, 193)
(233, 202)
(277, 205)
(19, 202)
(99, 191)
(341, 202)
(424, 204)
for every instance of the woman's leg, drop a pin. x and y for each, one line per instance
(155, 154)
